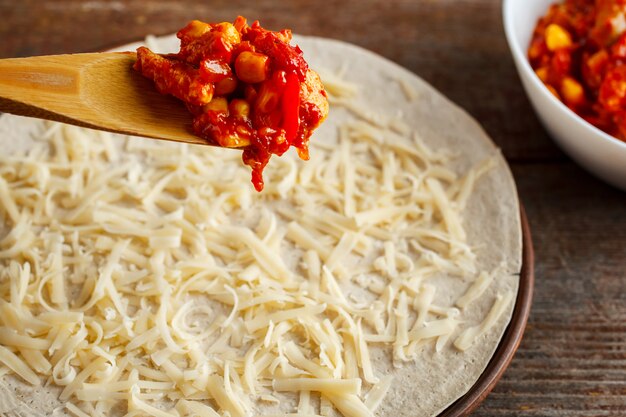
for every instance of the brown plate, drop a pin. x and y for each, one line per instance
(512, 336)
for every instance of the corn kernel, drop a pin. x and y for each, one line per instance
(542, 73)
(193, 30)
(267, 99)
(536, 49)
(572, 92)
(213, 71)
(595, 67)
(598, 60)
(239, 108)
(226, 86)
(229, 33)
(553, 91)
(234, 140)
(251, 67)
(218, 104)
(238, 138)
(240, 23)
(557, 37)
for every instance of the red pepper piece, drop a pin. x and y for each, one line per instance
(291, 107)
(213, 70)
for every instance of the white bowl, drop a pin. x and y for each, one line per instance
(598, 152)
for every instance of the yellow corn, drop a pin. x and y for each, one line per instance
(542, 73)
(598, 59)
(238, 138)
(229, 33)
(572, 91)
(266, 99)
(218, 104)
(553, 91)
(251, 67)
(239, 108)
(536, 50)
(234, 140)
(557, 37)
(226, 86)
(198, 28)
(194, 30)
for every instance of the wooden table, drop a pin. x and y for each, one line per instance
(572, 361)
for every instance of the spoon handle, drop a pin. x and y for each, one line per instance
(44, 87)
(96, 90)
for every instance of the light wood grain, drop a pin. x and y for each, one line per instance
(572, 361)
(96, 90)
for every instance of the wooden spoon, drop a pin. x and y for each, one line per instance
(96, 90)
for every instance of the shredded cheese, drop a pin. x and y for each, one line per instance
(409, 91)
(136, 272)
(331, 386)
(377, 393)
(17, 365)
(469, 335)
(477, 289)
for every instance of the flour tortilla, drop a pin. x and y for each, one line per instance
(491, 220)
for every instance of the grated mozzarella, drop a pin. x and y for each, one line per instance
(469, 335)
(149, 274)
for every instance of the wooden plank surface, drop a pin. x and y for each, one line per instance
(572, 361)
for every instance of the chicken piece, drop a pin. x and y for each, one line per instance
(193, 31)
(612, 94)
(174, 77)
(217, 43)
(276, 45)
(313, 95)
(610, 21)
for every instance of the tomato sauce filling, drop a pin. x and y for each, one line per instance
(247, 87)
(578, 50)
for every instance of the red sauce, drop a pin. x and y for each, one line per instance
(578, 50)
(246, 86)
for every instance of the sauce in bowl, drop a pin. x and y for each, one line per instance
(578, 50)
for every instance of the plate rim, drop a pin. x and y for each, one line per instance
(512, 337)
(514, 332)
